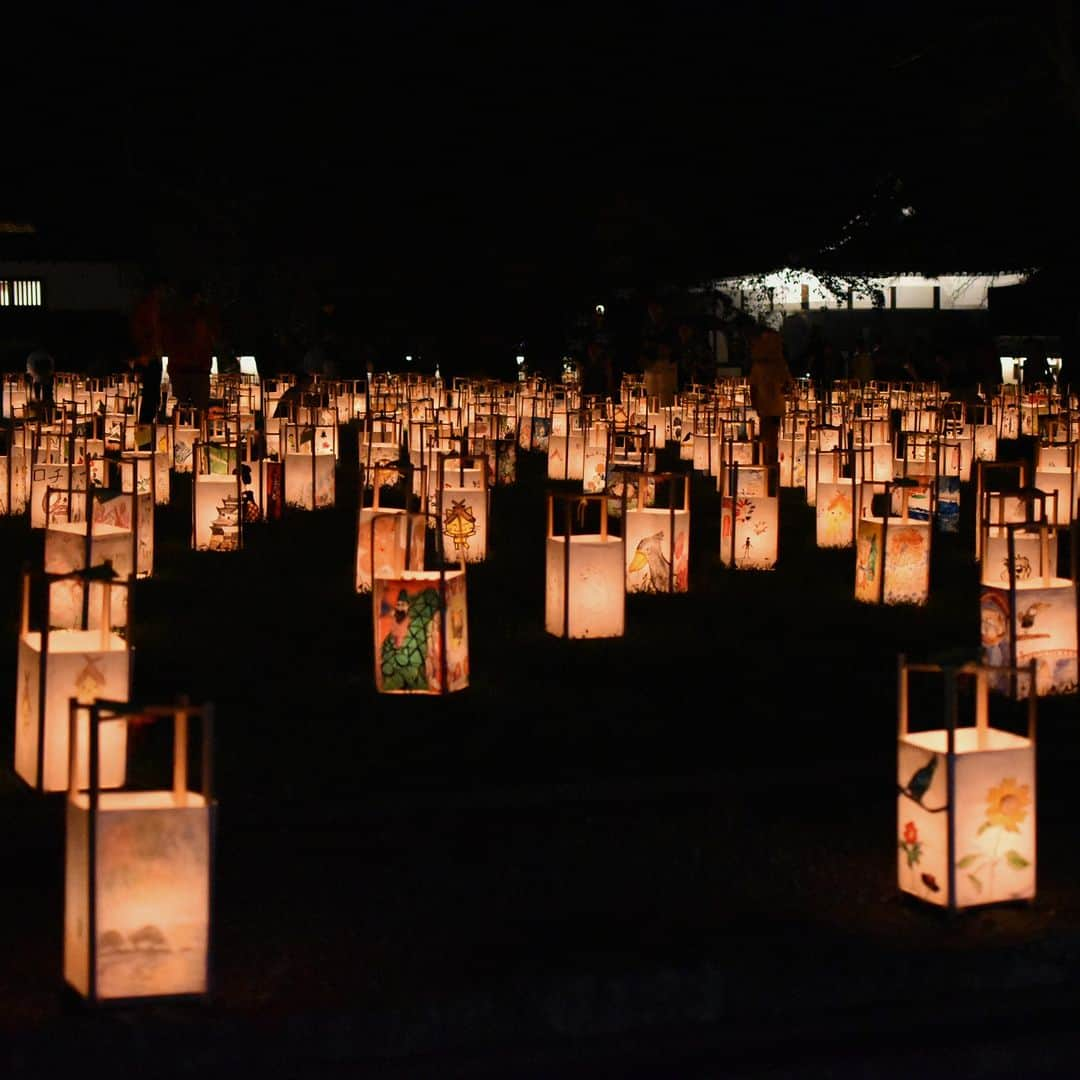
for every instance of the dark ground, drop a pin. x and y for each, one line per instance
(669, 854)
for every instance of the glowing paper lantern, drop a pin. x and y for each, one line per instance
(138, 868)
(56, 665)
(750, 518)
(389, 540)
(1031, 619)
(836, 505)
(310, 460)
(421, 632)
(965, 800)
(658, 541)
(103, 536)
(892, 557)
(216, 501)
(585, 576)
(50, 491)
(137, 476)
(14, 474)
(463, 506)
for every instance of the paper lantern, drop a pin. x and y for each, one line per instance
(14, 473)
(90, 540)
(585, 577)
(217, 518)
(389, 540)
(1030, 619)
(137, 476)
(50, 491)
(965, 799)
(138, 867)
(892, 556)
(421, 631)
(310, 460)
(658, 539)
(1059, 485)
(836, 504)
(750, 518)
(463, 506)
(56, 665)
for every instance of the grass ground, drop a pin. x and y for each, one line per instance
(681, 841)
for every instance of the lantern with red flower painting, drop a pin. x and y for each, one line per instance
(750, 518)
(966, 791)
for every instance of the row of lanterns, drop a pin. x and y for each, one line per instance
(73, 724)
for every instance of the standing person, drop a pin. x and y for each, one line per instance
(188, 337)
(146, 339)
(40, 370)
(769, 376)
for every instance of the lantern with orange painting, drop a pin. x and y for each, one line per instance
(892, 553)
(138, 864)
(750, 518)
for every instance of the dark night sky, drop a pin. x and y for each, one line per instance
(429, 144)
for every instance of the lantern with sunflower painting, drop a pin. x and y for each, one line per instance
(965, 796)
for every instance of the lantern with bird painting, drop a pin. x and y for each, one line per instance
(421, 624)
(585, 594)
(658, 538)
(892, 553)
(55, 665)
(1030, 618)
(138, 865)
(750, 517)
(965, 793)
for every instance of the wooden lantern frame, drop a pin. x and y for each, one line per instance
(102, 711)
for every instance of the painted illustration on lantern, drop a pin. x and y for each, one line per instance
(868, 561)
(907, 567)
(650, 564)
(1042, 629)
(754, 524)
(90, 680)
(834, 517)
(153, 902)
(1007, 806)
(409, 654)
(182, 454)
(459, 523)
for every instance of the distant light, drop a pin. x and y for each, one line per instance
(599, 309)
(519, 360)
(408, 359)
(908, 211)
(1054, 364)
(1011, 367)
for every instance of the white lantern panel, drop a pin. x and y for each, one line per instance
(994, 817)
(597, 586)
(152, 892)
(383, 544)
(309, 480)
(65, 551)
(749, 531)
(76, 667)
